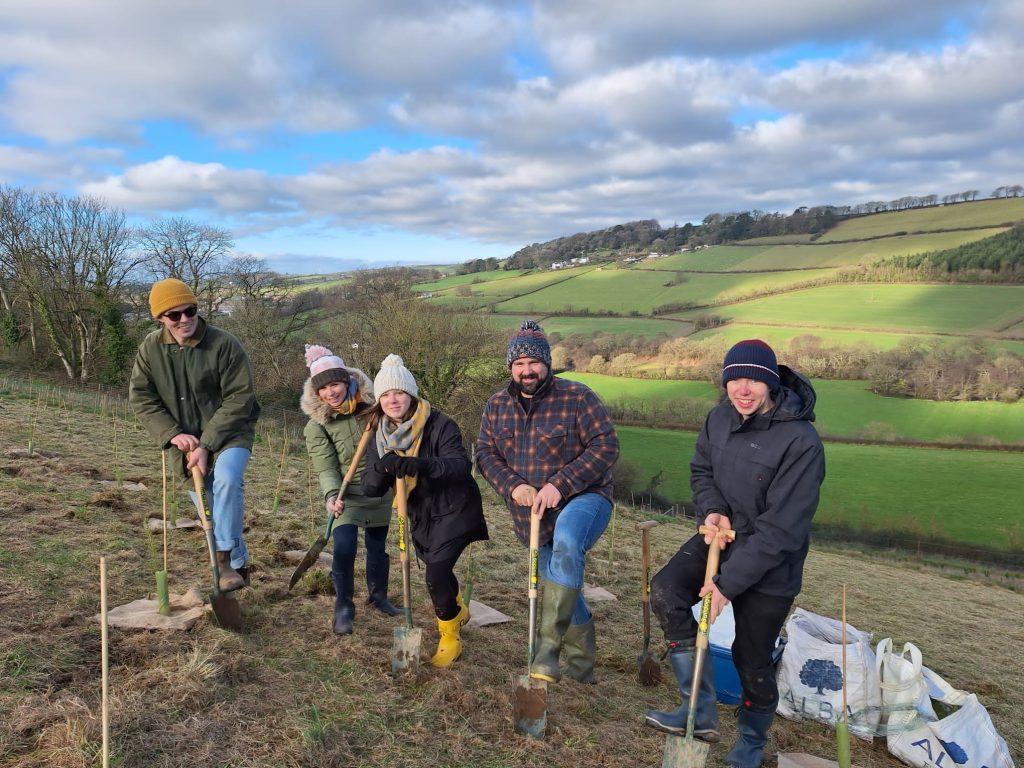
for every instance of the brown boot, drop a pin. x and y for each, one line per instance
(230, 579)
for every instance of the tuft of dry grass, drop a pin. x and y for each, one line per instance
(288, 692)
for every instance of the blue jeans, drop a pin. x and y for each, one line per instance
(578, 527)
(224, 493)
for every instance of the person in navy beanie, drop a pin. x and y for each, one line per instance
(757, 469)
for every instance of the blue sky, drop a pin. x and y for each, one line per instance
(433, 132)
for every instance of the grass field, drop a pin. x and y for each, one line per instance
(498, 290)
(910, 307)
(822, 254)
(981, 213)
(778, 336)
(476, 277)
(925, 491)
(626, 290)
(717, 257)
(849, 409)
(288, 694)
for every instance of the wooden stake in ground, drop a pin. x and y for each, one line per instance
(843, 726)
(104, 663)
(162, 597)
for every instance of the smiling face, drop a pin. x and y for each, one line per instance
(183, 328)
(334, 393)
(528, 373)
(395, 404)
(748, 396)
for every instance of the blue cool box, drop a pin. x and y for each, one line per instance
(727, 679)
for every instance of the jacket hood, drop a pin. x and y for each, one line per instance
(321, 412)
(796, 398)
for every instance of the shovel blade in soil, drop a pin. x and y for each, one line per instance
(227, 612)
(405, 651)
(649, 670)
(684, 752)
(530, 706)
(307, 562)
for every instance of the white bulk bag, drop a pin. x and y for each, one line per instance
(966, 738)
(905, 699)
(810, 676)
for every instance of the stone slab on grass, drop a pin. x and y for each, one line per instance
(125, 486)
(481, 615)
(186, 611)
(803, 760)
(597, 594)
(294, 557)
(156, 524)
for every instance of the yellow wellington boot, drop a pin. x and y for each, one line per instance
(449, 644)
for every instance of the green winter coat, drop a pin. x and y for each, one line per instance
(331, 441)
(204, 388)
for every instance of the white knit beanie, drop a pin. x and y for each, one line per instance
(394, 375)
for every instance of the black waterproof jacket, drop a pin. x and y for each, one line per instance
(445, 508)
(765, 474)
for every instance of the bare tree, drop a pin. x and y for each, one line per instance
(193, 252)
(69, 256)
(269, 318)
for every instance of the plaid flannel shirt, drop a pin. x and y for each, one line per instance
(566, 439)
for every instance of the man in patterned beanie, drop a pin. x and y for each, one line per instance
(547, 446)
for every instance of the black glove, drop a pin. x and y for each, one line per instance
(388, 464)
(409, 466)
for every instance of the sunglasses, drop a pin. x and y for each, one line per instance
(174, 315)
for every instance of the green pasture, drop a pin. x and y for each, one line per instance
(849, 409)
(717, 257)
(646, 327)
(627, 290)
(779, 336)
(920, 491)
(778, 239)
(905, 307)
(452, 281)
(499, 290)
(981, 213)
(849, 254)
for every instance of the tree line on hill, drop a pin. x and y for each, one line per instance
(647, 236)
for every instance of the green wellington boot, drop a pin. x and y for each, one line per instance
(580, 646)
(556, 611)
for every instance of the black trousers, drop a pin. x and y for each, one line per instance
(759, 619)
(442, 584)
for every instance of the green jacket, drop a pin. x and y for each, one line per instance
(331, 441)
(203, 388)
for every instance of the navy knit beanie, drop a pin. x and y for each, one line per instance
(751, 359)
(529, 341)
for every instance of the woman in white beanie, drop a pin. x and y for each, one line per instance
(425, 447)
(338, 400)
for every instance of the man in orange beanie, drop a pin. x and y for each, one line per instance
(192, 389)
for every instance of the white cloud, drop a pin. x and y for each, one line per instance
(620, 111)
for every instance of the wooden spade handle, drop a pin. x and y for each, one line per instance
(646, 525)
(364, 440)
(727, 532)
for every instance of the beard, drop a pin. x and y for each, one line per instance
(529, 384)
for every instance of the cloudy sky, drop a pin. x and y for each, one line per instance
(390, 130)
